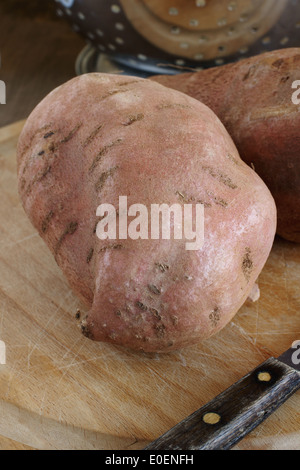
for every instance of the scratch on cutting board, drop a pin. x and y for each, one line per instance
(42, 432)
(278, 441)
(42, 403)
(13, 374)
(288, 308)
(242, 331)
(74, 363)
(71, 349)
(256, 323)
(280, 333)
(246, 335)
(44, 332)
(33, 235)
(2, 319)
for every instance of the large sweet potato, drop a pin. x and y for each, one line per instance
(253, 99)
(99, 137)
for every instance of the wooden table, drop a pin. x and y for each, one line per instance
(38, 53)
(60, 390)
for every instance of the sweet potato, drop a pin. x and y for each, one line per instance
(253, 99)
(99, 137)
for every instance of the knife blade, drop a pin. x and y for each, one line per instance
(228, 418)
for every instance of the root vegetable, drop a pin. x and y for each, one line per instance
(99, 137)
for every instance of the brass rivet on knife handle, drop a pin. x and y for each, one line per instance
(228, 418)
(211, 418)
(264, 377)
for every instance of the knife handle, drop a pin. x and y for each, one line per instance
(223, 422)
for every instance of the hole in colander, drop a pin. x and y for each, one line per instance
(175, 30)
(115, 8)
(173, 11)
(222, 21)
(266, 40)
(194, 23)
(232, 6)
(203, 40)
(119, 26)
(200, 3)
(284, 41)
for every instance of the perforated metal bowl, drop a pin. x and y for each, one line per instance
(166, 36)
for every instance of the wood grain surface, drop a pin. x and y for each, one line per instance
(38, 53)
(232, 415)
(59, 390)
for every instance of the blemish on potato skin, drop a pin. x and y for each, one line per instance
(111, 247)
(92, 136)
(285, 79)
(139, 337)
(71, 134)
(49, 134)
(52, 147)
(217, 200)
(163, 267)
(132, 82)
(102, 153)
(174, 106)
(113, 336)
(134, 118)
(27, 147)
(174, 320)
(69, 230)
(95, 226)
(141, 306)
(247, 264)
(250, 72)
(160, 330)
(86, 331)
(46, 221)
(104, 177)
(112, 93)
(224, 179)
(155, 312)
(22, 183)
(215, 316)
(78, 315)
(278, 63)
(153, 289)
(39, 176)
(191, 200)
(90, 255)
(232, 158)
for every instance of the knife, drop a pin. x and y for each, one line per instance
(228, 418)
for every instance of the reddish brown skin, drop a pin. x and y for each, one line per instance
(99, 137)
(253, 99)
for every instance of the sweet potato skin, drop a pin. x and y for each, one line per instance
(253, 99)
(100, 136)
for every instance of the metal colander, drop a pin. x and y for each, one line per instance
(143, 37)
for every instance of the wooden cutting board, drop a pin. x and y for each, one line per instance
(59, 390)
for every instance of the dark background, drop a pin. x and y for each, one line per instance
(38, 53)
